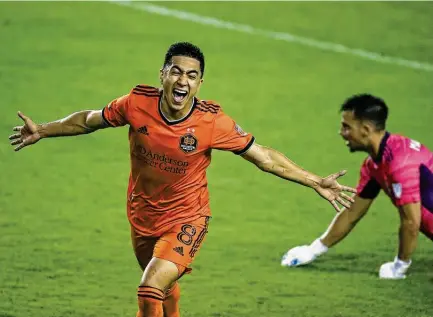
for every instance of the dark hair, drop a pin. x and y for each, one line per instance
(367, 107)
(185, 49)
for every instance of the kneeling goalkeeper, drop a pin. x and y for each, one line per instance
(400, 166)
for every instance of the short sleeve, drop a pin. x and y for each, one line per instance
(115, 113)
(405, 178)
(368, 187)
(228, 135)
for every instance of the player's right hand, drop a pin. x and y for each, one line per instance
(298, 256)
(27, 134)
(304, 254)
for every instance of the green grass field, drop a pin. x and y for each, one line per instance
(64, 236)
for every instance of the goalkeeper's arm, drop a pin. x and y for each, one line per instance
(339, 228)
(343, 223)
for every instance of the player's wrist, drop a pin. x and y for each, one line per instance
(318, 248)
(41, 130)
(402, 263)
(313, 181)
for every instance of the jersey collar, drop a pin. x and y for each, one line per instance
(382, 147)
(172, 122)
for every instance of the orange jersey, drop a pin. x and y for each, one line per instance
(167, 183)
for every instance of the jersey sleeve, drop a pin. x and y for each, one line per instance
(117, 111)
(368, 187)
(405, 178)
(228, 135)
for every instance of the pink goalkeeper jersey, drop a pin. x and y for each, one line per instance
(403, 169)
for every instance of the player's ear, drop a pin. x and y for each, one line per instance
(199, 85)
(161, 75)
(367, 128)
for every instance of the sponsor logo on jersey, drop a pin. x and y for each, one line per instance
(160, 160)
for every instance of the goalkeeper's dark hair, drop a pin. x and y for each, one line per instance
(185, 49)
(367, 107)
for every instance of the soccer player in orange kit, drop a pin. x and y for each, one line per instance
(171, 136)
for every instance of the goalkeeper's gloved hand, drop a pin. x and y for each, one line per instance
(304, 254)
(394, 270)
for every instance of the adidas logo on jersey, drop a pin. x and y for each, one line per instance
(179, 250)
(143, 130)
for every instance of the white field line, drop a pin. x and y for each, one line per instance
(282, 36)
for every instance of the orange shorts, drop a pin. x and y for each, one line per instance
(178, 245)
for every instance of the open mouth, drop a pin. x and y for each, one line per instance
(179, 95)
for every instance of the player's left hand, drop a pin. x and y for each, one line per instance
(394, 270)
(332, 191)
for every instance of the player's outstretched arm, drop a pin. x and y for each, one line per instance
(344, 222)
(272, 161)
(340, 227)
(77, 123)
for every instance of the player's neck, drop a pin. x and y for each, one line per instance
(172, 114)
(376, 141)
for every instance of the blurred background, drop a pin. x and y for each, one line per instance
(64, 237)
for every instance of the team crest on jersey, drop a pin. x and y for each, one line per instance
(188, 143)
(396, 188)
(239, 130)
